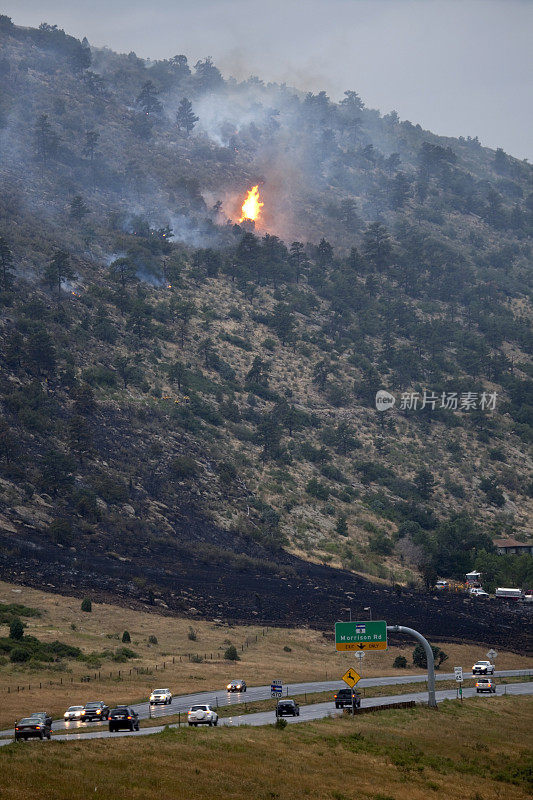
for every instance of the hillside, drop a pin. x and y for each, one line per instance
(181, 385)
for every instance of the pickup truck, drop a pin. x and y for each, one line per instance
(343, 698)
(202, 715)
(483, 668)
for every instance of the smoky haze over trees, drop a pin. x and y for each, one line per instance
(163, 357)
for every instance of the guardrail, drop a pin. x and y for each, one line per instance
(384, 707)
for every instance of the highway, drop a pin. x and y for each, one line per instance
(307, 713)
(182, 703)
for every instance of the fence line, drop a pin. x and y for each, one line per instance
(197, 658)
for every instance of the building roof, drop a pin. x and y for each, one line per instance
(511, 543)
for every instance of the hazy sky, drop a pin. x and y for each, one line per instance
(458, 67)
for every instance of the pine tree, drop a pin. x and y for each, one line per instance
(80, 440)
(78, 209)
(58, 270)
(147, 99)
(46, 139)
(123, 270)
(185, 117)
(6, 263)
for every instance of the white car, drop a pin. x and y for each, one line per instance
(483, 668)
(442, 584)
(202, 715)
(163, 696)
(477, 592)
(74, 712)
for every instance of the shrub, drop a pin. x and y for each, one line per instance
(317, 489)
(19, 655)
(280, 723)
(287, 649)
(123, 653)
(16, 629)
(420, 660)
(192, 635)
(183, 467)
(400, 662)
(86, 605)
(231, 653)
(126, 637)
(196, 659)
(152, 639)
(226, 472)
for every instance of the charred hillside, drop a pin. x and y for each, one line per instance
(189, 400)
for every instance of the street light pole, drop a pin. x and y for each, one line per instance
(368, 608)
(432, 703)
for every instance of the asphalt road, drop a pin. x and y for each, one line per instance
(307, 713)
(182, 703)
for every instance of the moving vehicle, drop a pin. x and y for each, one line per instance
(236, 686)
(163, 696)
(508, 594)
(287, 708)
(32, 728)
(44, 716)
(202, 715)
(483, 668)
(442, 584)
(73, 713)
(343, 698)
(476, 591)
(95, 710)
(485, 685)
(123, 717)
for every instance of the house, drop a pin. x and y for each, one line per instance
(512, 547)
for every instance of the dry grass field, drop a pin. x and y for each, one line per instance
(477, 751)
(288, 654)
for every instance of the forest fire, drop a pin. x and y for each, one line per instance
(251, 208)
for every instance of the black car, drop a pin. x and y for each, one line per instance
(44, 716)
(123, 717)
(95, 710)
(287, 708)
(32, 728)
(343, 698)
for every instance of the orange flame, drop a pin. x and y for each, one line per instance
(251, 208)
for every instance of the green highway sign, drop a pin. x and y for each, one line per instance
(354, 636)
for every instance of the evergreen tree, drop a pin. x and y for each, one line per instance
(46, 139)
(124, 271)
(147, 99)
(41, 352)
(377, 246)
(6, 263)
(258, 374)
(399, 190)
(59, 270)
(78, 209)
(283, 323)
(184, 311)
(56, 472)
(80, 440)
(324, 253)
(180, 67)
(297, 256)
(177, 373)
(185, 117)
(207, 76)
